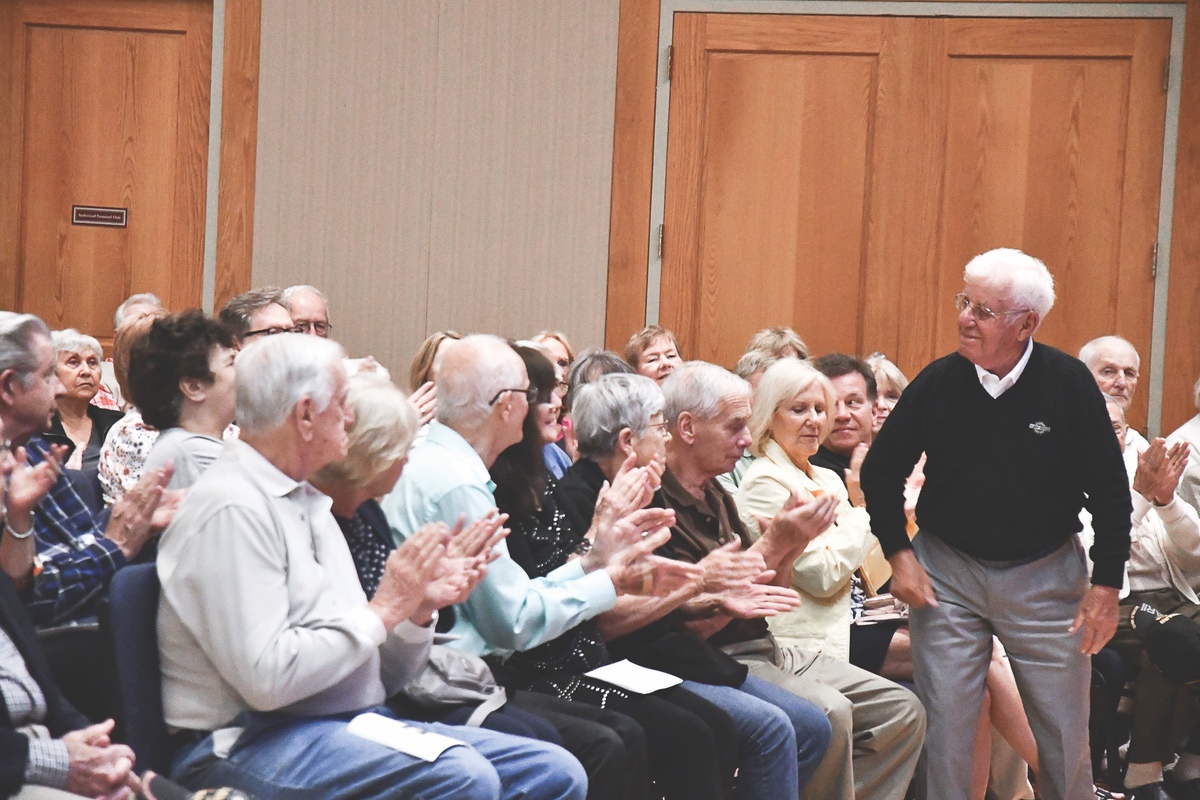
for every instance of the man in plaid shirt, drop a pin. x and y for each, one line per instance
(77, 553)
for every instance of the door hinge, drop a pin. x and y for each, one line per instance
(669, 58)
(1166, 74)
(660, 242)
(1153, 261)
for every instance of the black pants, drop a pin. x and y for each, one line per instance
(692, 743)
(611, 746)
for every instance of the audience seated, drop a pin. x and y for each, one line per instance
(77, 422)
(653, 352)
(181, 378)
(134, 307)
(269, 645)
(484, 394)
(1164, 573)
(309, 309)
(779, 341)
(256, 313)
(691, 742)
(890, 383)
(123, 457)
(421, 376)
(878, 726)
(621, 420)
(1189, 484)
(76, 556)
(1115, 365)
(750, 367)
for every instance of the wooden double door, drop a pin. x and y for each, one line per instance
(105, 105)
(835, 174)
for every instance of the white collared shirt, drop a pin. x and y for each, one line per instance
(998, 386)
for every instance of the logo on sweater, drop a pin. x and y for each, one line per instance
(1039, 427)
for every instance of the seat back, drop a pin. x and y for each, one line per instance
(132, 619)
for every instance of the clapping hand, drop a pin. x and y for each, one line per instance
(1159, 470)
(409, 570)
(424, 399)
(759, 599)
(729, 567)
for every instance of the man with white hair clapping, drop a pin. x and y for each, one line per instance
(271, 653)
(1018, 441)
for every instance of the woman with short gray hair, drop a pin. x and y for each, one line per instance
(77, 422)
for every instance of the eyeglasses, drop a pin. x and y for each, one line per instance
(661, 427)
(530, 392)
(317, 327)
(979, 311)
(560, 388)
(273, 330)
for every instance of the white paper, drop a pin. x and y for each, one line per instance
(406, 739)
(629, 676)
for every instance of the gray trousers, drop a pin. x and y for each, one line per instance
(878, 725)
(1029, 608)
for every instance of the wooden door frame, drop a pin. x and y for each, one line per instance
(229, 219)
(639, 164)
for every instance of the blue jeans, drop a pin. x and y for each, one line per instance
(782, 737)
(281, 757)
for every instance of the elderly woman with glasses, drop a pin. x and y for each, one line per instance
(77, 421)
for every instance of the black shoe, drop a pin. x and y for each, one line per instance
(1181, 790)
(1149, 791)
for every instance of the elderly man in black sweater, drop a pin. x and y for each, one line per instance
(1018, 441)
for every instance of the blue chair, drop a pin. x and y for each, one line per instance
(131, 623)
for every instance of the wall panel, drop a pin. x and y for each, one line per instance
(438, 164)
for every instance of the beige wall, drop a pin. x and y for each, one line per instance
(438, 164)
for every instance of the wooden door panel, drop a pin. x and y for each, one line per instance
(836, 174)
(111, 102)
(785, 136)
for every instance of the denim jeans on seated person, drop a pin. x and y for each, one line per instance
(282, 757)
(782, 737)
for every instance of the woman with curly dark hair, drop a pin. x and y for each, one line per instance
(182, 379)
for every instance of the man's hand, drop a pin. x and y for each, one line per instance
(424, 399)
(729, 566)
(98, 767)
(27, 486)
(455, 579)
(625, 532)
(479, 539)
(760, 599)
(1097, 618)
(409, 570)
(132, 520)
(853, 475)
(1159, 470)
(637, 571)
(910, 583)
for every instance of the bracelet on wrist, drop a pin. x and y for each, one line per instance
(9, 530)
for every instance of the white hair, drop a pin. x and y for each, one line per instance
(275, 374)
(18, 332)
(608, 405)
(1091, 351)
(70, 340)
(141, 298)
(290, 292)
(385, 423)
(698, 387)
(1023, 278)
(469, 372)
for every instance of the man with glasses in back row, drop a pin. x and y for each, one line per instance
(1018, 441)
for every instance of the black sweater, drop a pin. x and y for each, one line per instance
(1005, 478)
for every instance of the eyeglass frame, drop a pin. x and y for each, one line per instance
(530, 392)
(274, 330)
(979, 311)
(316, 325)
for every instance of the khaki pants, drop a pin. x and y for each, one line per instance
(878, 725)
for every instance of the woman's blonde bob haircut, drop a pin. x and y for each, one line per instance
(385, 424)
(785, 379)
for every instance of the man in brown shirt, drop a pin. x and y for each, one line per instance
(878, 726)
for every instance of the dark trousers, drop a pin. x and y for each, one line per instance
(611, 747)
(1156, 697)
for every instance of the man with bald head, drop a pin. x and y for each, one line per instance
(483, 397)
(1116, 365)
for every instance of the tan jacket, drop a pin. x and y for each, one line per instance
(823, 571)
